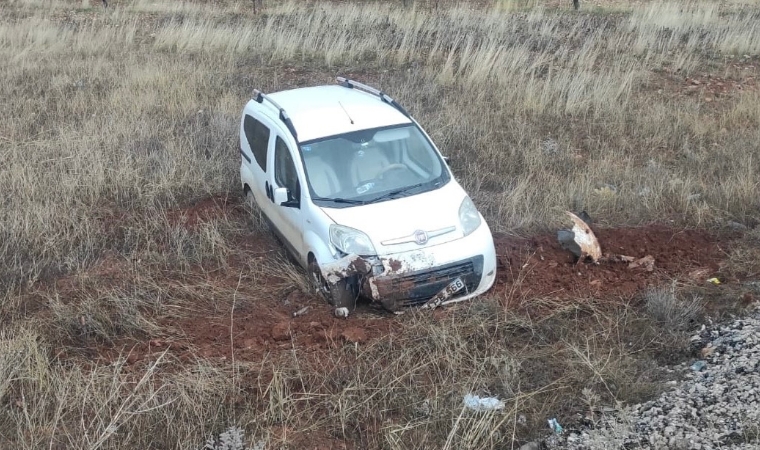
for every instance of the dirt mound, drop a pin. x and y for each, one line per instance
(200, 317)
(528, 268)
(539, 267)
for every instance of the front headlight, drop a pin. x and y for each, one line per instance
(468, 216)
(349, 240)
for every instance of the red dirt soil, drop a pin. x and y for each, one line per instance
(258, 331)
(540, 267)
(263, 323)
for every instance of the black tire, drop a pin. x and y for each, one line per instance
(341, 295)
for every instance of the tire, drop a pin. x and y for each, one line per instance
(341, 295)
(260, 223)
(249, 199)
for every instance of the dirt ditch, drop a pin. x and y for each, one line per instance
(259, 320)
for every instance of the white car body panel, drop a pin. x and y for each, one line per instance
(390, 224)
(314, 118)
(396, 219)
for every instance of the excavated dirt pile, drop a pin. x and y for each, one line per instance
(634, 258)
(528, 268)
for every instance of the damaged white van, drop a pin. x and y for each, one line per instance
(361, 197)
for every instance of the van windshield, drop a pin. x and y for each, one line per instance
(372, 165)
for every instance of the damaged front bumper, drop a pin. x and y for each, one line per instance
(410, 280)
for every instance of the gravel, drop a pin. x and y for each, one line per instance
(717, 405)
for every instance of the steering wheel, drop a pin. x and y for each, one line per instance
(396, 166)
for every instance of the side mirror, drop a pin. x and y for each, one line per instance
(280, 196)
(447, 160)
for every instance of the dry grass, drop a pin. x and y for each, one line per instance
(139, 111)
(403, 391)
(114, 119)
(672, 312)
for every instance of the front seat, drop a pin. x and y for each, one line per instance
(322, 177)
(367, 165)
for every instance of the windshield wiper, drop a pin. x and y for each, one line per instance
(340, 200)
(395, 192)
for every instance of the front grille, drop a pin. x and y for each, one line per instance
(416, 288)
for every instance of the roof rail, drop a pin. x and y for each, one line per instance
(351, 84)
(260, 97)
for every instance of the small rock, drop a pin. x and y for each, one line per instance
(301, 311)
(693, 197)
(647, 263)
(281, 331)
(293, 298)
(354, 334)
(698, 366)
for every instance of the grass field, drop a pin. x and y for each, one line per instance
(118, 123)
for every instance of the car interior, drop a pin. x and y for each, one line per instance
(341, 167)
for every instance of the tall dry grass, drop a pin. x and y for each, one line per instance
(403, 391)
(137, 107)
(113, 118)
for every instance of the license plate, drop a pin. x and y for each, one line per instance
(453, 287)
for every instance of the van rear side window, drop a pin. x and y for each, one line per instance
(257, 135)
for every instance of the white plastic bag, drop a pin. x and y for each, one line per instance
(476, 403)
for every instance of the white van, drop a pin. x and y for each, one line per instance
(362, 198)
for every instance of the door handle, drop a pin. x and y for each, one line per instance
(269, 191)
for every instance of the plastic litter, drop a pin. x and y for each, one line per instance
(698, 366)
(555, 426)
(341, 312)
(477, 403)
(714, 281)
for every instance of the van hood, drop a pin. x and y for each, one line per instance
(393, 225)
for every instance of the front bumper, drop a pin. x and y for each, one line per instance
(412, 278)
(416, 288)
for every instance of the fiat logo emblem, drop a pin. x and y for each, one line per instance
(420, 237)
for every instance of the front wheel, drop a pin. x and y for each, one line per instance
(340, 295)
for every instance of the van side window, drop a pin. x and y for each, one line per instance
(257, 135)
(285, 170)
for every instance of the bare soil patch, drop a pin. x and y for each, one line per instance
(539, 267)
(727, 79)
(256, 331)
(254, 319)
